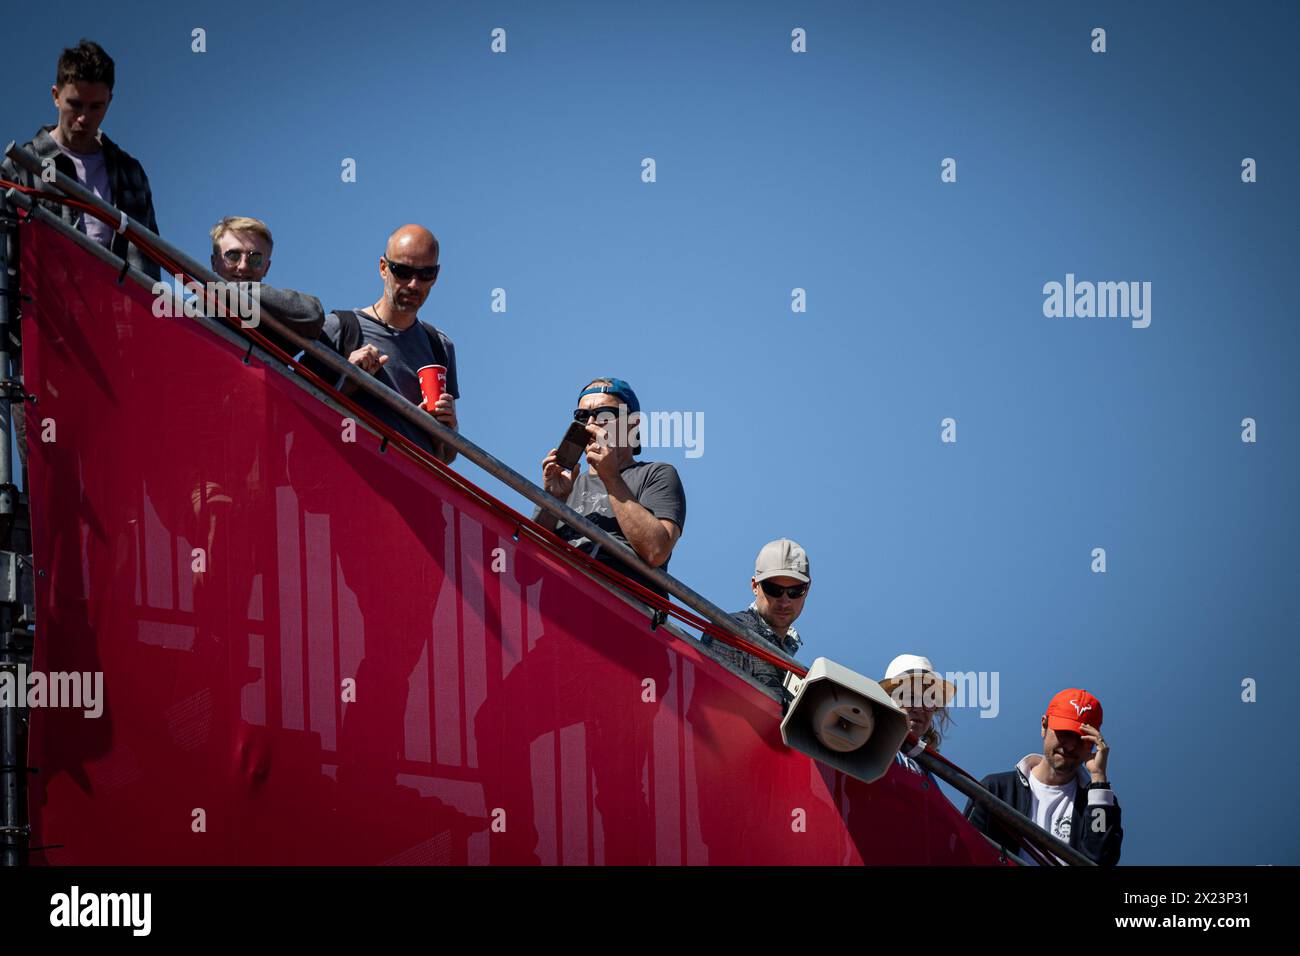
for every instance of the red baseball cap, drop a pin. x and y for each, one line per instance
(1071, 709)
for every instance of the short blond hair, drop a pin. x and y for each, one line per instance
(240, 224)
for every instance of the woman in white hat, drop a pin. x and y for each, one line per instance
(923, 693)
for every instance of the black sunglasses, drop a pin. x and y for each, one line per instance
(794, 592)
(402, 272)
(234, 255)
(607, 413)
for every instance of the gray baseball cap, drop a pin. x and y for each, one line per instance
(782, 559)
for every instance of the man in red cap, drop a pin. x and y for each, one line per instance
(1065, 790)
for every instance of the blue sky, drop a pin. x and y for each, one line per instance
(821, 171)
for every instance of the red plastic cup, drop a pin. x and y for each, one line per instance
(433, 382)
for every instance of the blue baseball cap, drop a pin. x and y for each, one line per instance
(617, 387)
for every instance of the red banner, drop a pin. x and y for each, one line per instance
(314, 652)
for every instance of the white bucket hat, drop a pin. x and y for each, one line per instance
(908, 667)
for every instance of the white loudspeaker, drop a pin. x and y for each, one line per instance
(845, 721)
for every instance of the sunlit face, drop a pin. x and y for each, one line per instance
(241, 256)
(407, 294)
(920, 696)
(919, 719)
(81, 109)
(608, 406)
(782, 610)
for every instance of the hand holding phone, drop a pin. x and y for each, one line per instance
(559, 468)
(572, 446)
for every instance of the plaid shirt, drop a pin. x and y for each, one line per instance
(767, 674)
(126, 178)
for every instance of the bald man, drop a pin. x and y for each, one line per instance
(388, 340)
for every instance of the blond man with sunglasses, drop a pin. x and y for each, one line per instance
(780, 584)
(241, 249)
(241, 252)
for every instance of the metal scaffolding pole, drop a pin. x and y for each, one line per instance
(14, 651)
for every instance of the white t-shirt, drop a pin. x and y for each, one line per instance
(1052, 808)
(92, 173)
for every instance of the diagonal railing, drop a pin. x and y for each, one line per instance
(706, 616)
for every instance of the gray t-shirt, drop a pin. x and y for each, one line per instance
(407, 351)
(92, 172)
(656, 487)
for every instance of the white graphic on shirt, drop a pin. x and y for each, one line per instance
(594, 502)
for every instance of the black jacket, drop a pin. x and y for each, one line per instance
(1095, 829)
(130, 185)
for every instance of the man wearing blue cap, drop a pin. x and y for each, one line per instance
(639, 502)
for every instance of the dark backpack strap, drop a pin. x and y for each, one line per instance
(435, 342)
(444, 353)
(350, 336)
(349, 332)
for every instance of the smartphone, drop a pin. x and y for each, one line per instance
(572, 446)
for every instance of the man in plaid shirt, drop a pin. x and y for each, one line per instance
(75, 146)
(83, 89)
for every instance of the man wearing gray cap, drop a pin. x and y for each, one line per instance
(780, 585)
